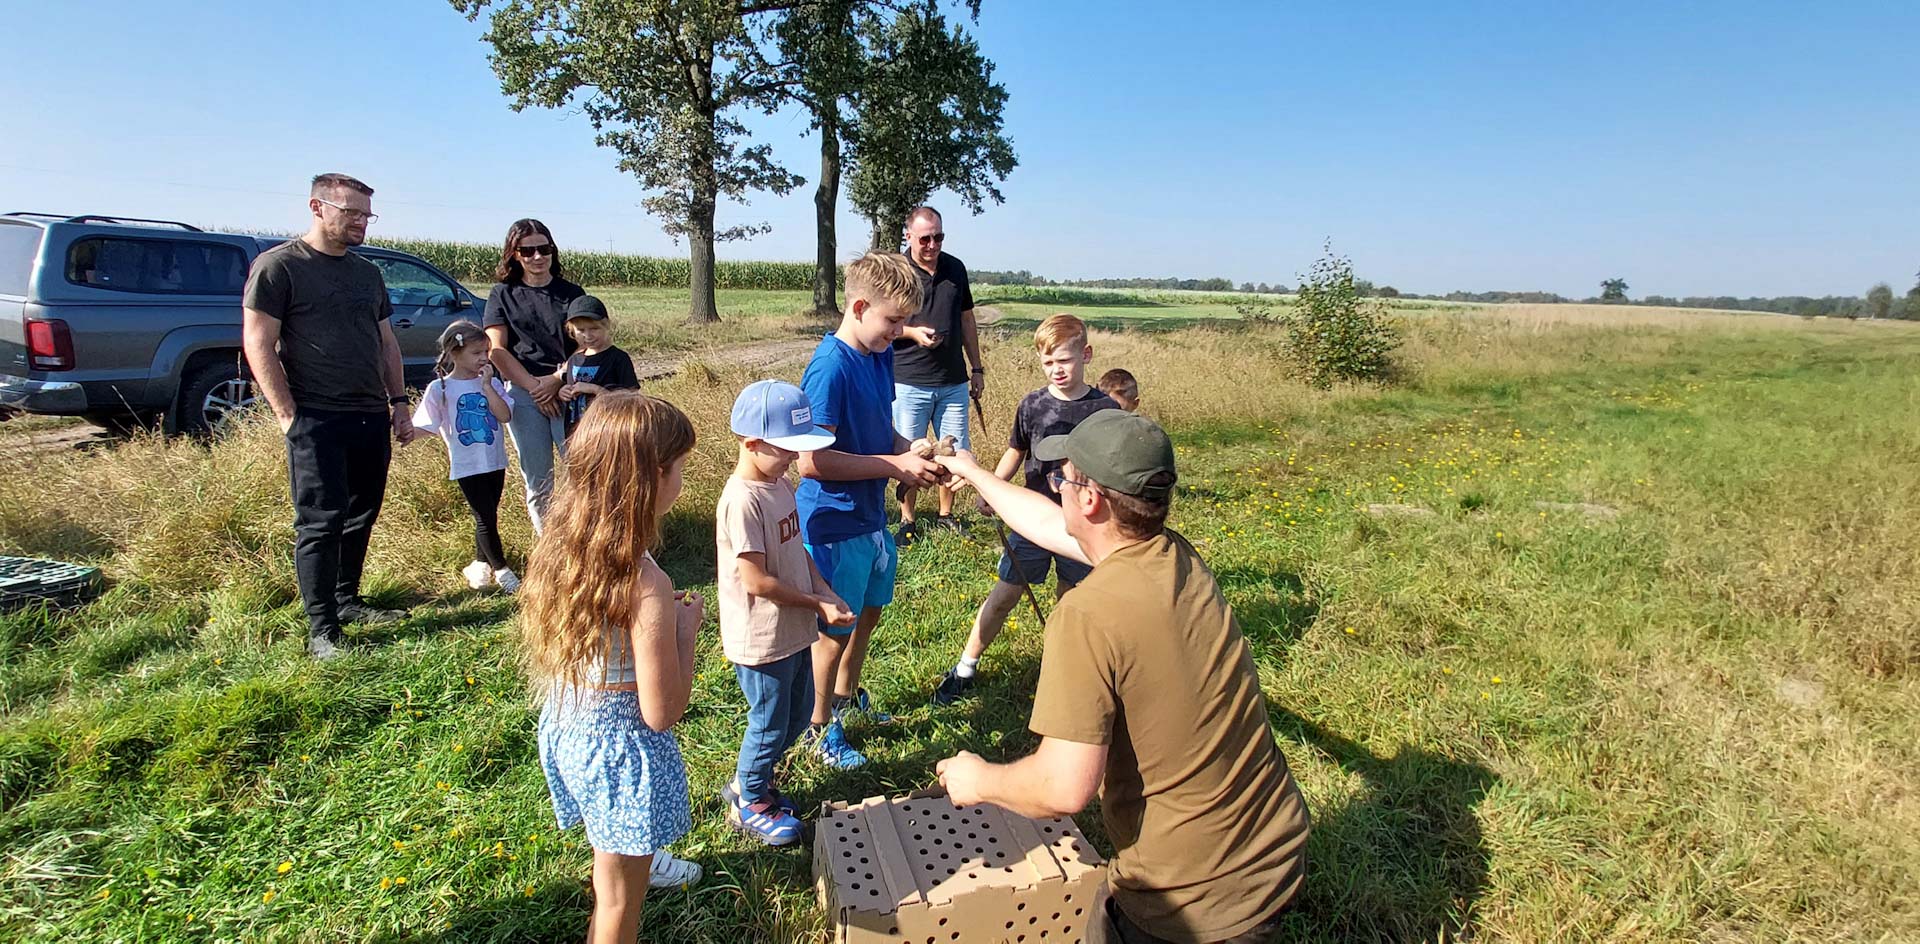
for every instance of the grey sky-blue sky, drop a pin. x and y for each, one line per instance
(1691, 148)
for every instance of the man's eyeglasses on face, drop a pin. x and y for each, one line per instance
(1056, 479)
(352, 214)
(528, 252)
(931, 239)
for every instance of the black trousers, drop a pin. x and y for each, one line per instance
(337, 470)
(482, 493)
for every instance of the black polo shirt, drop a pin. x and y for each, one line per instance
(945, 295)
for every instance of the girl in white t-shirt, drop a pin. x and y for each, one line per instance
(468, 407)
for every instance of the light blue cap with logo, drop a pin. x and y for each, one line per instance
(779, 413)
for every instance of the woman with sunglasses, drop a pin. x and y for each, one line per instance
(526, 320)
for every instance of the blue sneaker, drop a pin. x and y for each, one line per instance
(863, 703)
(832, 747)
(761, 819)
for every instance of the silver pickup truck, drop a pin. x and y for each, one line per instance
(127, 321)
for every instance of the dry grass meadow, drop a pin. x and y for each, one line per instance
(1628, 651)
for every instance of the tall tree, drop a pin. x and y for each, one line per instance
(1912, 312)
(821, 45)
(928, 118)
(663, 82)
(1880, 300)
(1613, 290)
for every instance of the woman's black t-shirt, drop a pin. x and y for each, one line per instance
(536, 320)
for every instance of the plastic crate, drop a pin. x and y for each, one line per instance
(26, 580)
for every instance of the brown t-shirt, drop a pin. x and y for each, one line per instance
(760, 518)
(330, 309)
(1208, 825)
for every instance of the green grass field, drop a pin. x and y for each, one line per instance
(1678, 701)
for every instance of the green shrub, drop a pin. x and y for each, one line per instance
(1333, 333)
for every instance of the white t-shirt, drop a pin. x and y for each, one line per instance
(457, 410)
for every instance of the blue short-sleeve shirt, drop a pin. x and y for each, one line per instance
(852, 392)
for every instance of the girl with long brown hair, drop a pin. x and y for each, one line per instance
(609, 644)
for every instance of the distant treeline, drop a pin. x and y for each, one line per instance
(1023, 277)
(1831, 305)
(1835, 305)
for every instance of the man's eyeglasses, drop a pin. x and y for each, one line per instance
(528, 252)
(352, 214)
(931, 239)
(1056, 479)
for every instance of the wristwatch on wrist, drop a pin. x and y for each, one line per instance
(400, 400)
(979, 370)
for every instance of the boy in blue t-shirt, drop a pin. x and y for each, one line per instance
(842, 497)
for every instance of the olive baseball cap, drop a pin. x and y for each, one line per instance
(1117, 449)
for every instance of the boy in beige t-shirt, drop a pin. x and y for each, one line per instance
(770, 595)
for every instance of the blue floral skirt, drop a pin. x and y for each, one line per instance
(606, 768)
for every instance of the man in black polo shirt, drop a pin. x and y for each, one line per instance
(314, 323)
(931, 379)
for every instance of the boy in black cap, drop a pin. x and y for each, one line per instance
(598, 366)
(1147, 695)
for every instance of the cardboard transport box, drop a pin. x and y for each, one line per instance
(916, 870)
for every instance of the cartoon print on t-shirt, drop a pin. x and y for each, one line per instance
(474, 421)
(580, 373)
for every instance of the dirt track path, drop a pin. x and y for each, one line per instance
(40, 439)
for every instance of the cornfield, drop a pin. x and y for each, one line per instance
(474, 262)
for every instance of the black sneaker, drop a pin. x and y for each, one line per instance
(952, 688)
(359, 612)
(324, 648)
(906, 534)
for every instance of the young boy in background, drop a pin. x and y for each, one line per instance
(598, 366)
(842, 498)
(1120, 387)
(1052, 410)
(770, 596)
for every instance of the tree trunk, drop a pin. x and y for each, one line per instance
(886, 236)
(700, 239)
(826, 199)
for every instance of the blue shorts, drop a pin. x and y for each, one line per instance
(860, 569)
(943, 408)
(1034, 562)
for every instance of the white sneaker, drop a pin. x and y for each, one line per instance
(669, 872)
(507, 579)
(476, 574)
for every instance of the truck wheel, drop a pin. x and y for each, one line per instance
(211, 396)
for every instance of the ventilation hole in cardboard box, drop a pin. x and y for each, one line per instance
(1056, 916)
(1022, 906)
(1076, 912)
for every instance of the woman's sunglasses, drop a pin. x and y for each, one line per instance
(528, 252)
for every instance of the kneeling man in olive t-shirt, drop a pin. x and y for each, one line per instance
(1147, 694)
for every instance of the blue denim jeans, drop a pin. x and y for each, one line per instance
(537, 438)
(943, 408)
(779, 705)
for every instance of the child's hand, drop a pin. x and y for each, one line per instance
(921, 335)
(691, 611)
(486, 371)
(834, 610)
(568, 392)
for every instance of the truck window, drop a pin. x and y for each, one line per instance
(157, 266)
(19, 246)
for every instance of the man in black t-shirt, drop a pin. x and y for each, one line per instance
(314, 325)
(598, 366)
(931, 379)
